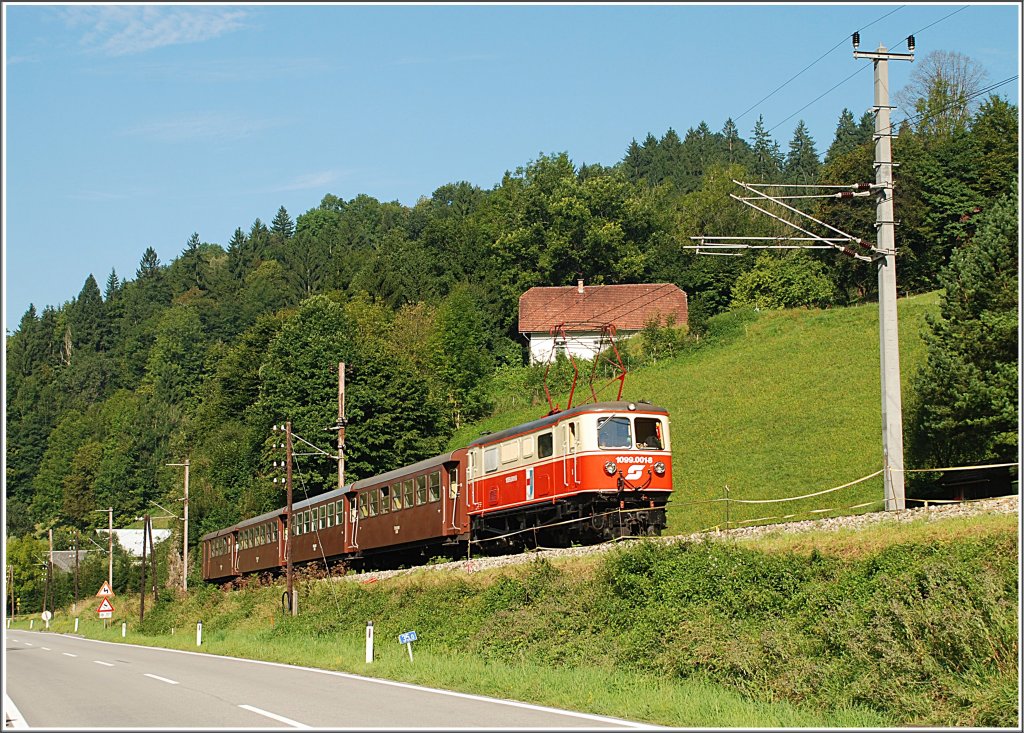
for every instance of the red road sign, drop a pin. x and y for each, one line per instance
(105, 610)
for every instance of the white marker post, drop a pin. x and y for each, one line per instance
(124, 629)
(369, 642)
(76, 624)
(407, 638)
(199, 634)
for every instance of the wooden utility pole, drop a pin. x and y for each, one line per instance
(76, 569)
(184, 532)
(110, 548)
(142, 580)
(341, 425)
(152, 551)
(290, 527)
(48, 593)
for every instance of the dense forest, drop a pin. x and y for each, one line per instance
(201, 355)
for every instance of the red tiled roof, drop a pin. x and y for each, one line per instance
(628, 307)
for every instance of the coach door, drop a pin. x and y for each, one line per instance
(450, 502)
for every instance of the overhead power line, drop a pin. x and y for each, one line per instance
(785, 83)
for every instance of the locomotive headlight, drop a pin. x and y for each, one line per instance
(609, 468)
(659, 468)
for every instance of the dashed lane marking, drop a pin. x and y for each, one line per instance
(275, 716)
(105, 664)
(158, 677)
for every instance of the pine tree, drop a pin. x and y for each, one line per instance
(966, 393)
(802, 162)
(846, 139)
(113, 287)
(149, 265)
(767, 158)
(282, 225)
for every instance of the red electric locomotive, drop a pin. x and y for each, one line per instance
(586, 474)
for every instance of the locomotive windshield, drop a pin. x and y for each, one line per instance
(613, 432)
(617, 433)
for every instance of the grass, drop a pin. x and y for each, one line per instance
(900, 624)
(785, 404)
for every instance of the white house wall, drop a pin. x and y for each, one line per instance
(580, 345)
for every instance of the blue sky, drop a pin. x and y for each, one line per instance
(129, 126)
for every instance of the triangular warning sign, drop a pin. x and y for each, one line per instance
(105, 590)
(105, 606)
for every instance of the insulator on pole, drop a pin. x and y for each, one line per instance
(845, 195)
(864, 244)
(848, 252)
(863, 187)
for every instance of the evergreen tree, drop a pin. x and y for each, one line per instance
(149, 265)
(766, 164)
(113, 287)
(995, 146)
(259, 239)
(966, 393)
(282, 225)
(846, 139)
(802, 162)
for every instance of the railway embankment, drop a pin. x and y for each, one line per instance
(876, 620)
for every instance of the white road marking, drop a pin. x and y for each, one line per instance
(28, 643)
(157, 677)
(279, 718)
(105, 664)
(45, 648)
(14, 717)
(69, 654)
(405, 685)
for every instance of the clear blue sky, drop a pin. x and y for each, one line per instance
(133, 126)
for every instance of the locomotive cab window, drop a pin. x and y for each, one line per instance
(545, 445)
(614, 432)
(648, 434)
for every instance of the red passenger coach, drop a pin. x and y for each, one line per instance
(586, 474)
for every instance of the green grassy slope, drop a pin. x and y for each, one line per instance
(791, 406)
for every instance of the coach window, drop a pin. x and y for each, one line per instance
(434, 486)
(330, 514)
(363, 510)
(421, 490)
(339, 512)
(527, 446)
(373, 501)
(385, 499)
(307, 523)
(323, 517)
(296, 523)
(648, 433)
(273, 532)
(545, 445)
(491, 460)
(396, 496)
(613, 432)
(407, 490)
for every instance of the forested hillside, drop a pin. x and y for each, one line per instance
(199, 355)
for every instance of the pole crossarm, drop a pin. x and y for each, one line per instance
(762, 195)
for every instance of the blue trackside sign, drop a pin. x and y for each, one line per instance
(407, 637)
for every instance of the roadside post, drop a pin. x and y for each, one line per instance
(199, 634)
(124, 629)
(76, 624)
(369, 642)
(407, 638)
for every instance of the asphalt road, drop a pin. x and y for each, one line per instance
(63, 681)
